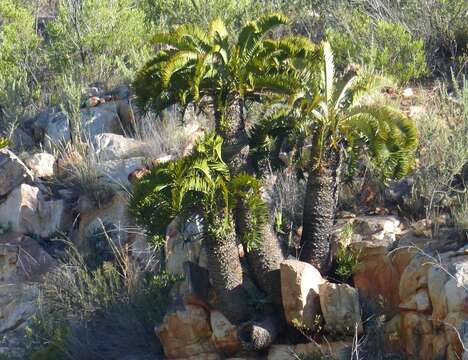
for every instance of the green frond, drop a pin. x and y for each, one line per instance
(4, 143)
(329, 72)
(176, 62)
(217, 30)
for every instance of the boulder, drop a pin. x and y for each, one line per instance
(456, 329)
(118, 171)
(456, 289)
(101, 119)
(380, 229)
(300, 283)
(339, 350)
(13, 172)
(418, 302)
(110, 146)
(224, 334)
(184, 243)
(186, 333)
(56, 129)
(41, 164)
(416, 332)
(414, 277)
(22, 264)
(436, 280)
(26, 211)
(340, 308)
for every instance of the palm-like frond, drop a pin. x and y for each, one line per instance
(4, 143)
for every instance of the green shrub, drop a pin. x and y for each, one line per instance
(101, 39)
(21, 60)
(383, 45)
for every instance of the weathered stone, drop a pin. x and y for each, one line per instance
(108, 146)
(456, 329)
(340, 308)
(22, 263)
(414, 277)
(12, 172)
(224, 334)
(418, 302)
(436, 280)
(101, 119)
(339, 350)
(183, 243)
(186, 332)
(26, 211)
(300, 291)
(456, 289)
(416, 329)
(377, 228)
(117, 172)
(41, 164)
(56, 130)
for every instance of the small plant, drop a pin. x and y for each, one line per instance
(347, 258)
(4, 143)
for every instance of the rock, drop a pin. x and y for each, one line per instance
(456, 329)
(436, 280)
(13, 172)
(224, 334)
(41, 164)
(414, 277)
(416, 332)
(56, 130)
(22, 263)
(418, 302)
(340, 308)
(300, 283)
(456, 289)
(22, 139)
(112, 215)
(184, 243)
(382, 229)
(113, 147)
(101, 119)
(118, 171)
(407, 93)
(186, 333)
(26, 211)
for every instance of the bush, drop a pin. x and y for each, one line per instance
(21, 60)
(383, 45)
(105, 313)
(100, 39)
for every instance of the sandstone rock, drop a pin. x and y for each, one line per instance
(392, 335)
(377, 228)
(113, 147)
(456, 329)
(12, 172)
(118, 171)
(184, 243)
(340, 308)
(414, 277)
(436, 280)
(101, 119)
(418, 302)
(300, 283)
(41, 164)
(456, 289)
(224, 334)
(186, 333)
(56, 130)
(22, 263)
(416, 332)
(26, 211)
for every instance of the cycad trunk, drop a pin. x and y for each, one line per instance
(230, 124)
(225, 271)
(264, 260)
(319, 212)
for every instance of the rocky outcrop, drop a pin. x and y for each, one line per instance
(13, 172)
(340, 309)
(27, 211)
(22, 264)
(41, 164)
(300, 283)
(108, 146)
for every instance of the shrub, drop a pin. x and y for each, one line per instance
(383, 45)
(101, 39)
(21, 60)
(104, 313)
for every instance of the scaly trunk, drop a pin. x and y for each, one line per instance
(257, 336)
(230, 124)
(225, 271)
(319, 212)
(265, 259)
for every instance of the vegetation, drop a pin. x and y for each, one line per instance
(339, 119)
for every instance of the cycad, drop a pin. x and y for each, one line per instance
(204, 66)
(336, 119)
(4, 143)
